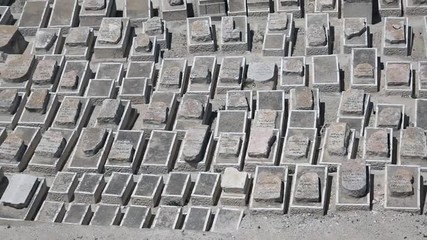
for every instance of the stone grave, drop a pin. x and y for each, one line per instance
(173, 10)
(353, 186)
(106, 215)
(194, 111)
(275, 45)
(198, 219)
(100, 90)
(74, 78)
(168, 217)
(199, 35)
(355, 35)
(258, 8)
(92, 12)
(78, 214)
(90, 188)
(51, 212)
(229, 151)
(270, 189)
(91, 150)
(402, 189)
(270, 100)
(12, 105)
(354, 109)
(415, 8)
(389, 8)
(118, 189)
(64, 15)
(138, 12)
(269, 119)
(262, 148)
(309, 189)
(195, 150)
(230, 121)
(157, 27)
(144, 48)
(52, 151)
(317, 37)
(235, 186)
(364, 69)
(420, 111)
(413, 147)
(240, 100)
(79, 43)
(421, 80)
(396, 36)
(227, 219)
(112, 113)
(40, 109)
(35, 15)
(141, 69)
(261, 76)
(337, 146)
(147, 191)
(173, 75)
(136, 217)
(17, 71)
(304, 98)
(390, 116)
(302, 119)
(177, 189)
(17, 148)
(214, 9)
(72, 114)
(292, 73)
(399, 78)
(325, 73)
(299, 147)
(207, 189)
(22, 196)
(234, 34)
(135, 90)
(63, 186)
(203, 74)
(114, 71)
(378, 147)
(47, 73)
(126, 151)
(290, 6)
(230, 75)
(160, 153)
(236, 7)
(331, 7)
(113, 39)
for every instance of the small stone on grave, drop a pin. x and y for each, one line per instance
(192, 109)
(260, 142)
(338, 139)
(233, 181)
(398, 74)
(45, 40)
(353, 101)
(293, 67)
(153, 26)
(229, 146)
(12, 148)
(51, 145)
(308, 188)
(316, 35)
(78, 37)
(175, 2)
(143, 43)
(38, 100)
(395, 32)
(9, 101)
(44, 72)
(110, 31)
(378, 144)
(364, 70)
(111, 111)
(70, 80)
(303, 99)
(121, 151)
(93, 140)
(20, 191)
(297, 147)
(270, 186)
(230, 34)
(401, 183)
(95, 5)
(390, 116)
(156, 115)
(70, 112)
(17, 68)
(354, 28)
(200, 31)
(354, 178)
(278, 22)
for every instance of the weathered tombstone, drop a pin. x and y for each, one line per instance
(317, 38)
(399, 78)
(396, 36)
(355, 34)
(118, 189)
(159, 156)
(72, 112)
(227, 219)
(230, 74)
(148, 190)
(35, 15)
(93, 11)
(326, 73)
(292, 73)
(173, 10)
(113, 39)
(78, 213)
(235, 187)
(262, 148)
(168, 217)
(136, 217)
(51, 212)
(378, 147)
(79, 43)
(198, 218)
(90, 188)
(199, 35)
(234, 33)
(207, 189)
(177, 189)
(229, 151)
(137, 11)
(63, 186)
(413, 147)
(106, 215)
(364, 69)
